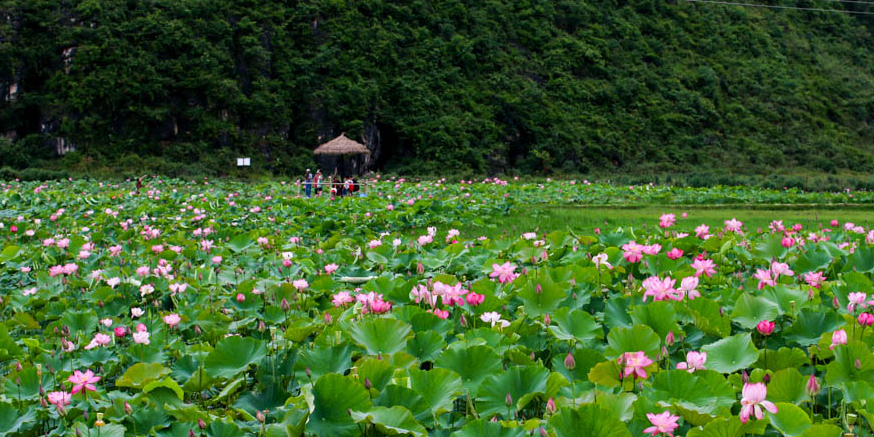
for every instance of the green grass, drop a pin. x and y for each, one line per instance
(585, 220)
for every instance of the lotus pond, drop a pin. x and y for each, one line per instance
(214, 308)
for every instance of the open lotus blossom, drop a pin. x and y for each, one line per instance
(172, 320)
(764, 277)
(814, 279)
(494, 318)
(635, 363)
(632, 252)
(781, 269)
(865, 319)
(99, 339)
(529, 236)
(667, 220)
(702, 231)
(300, 284)
(675, 254)
(474, 299)
(331, 268)
(733, 225)
(651, 249)
(838, 337)
(83, 381)
(703, 267)
(659, 289)
(663, 423)
(856, 299)
(504, 272)
(58, 398)
(688, 288)
(601, 260)
(342, 299)
(694, 361)
(752, 401)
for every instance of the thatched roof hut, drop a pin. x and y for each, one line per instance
(342, 145)
(342, 155)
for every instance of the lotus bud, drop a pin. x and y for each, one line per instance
(127, 408)
(349, 411)
(284, 304)
(42, 391)
(543, 432)
(18, 380)
(462, 320)
(546, 319)
(367, 384)
(508, 399)
(745, 377)
(532, 356)
(538, 289)
(569, 361)
(197, 330)
(100, 303)
(812, 386)
(85, 415)
(261, 326)
(420, 268)
(42, 402)
(767, 378)
(835, 302)
(328, 319)
(260, 416)
(201, 424)
(574, 295)
(550, 406)
(78, 432)
(524, 271)
(858, 364)
(241, 297)
(191, 433)
(18, 366)
(494, 419)
(51, 368)
(56, 330)
(664, 353)
(544, 256)
(308, 372)
(533, 261)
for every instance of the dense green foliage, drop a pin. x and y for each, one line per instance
(184, 86)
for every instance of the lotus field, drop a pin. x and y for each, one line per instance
(223, 309)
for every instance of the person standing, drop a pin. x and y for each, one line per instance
(308, 183)
(317, 181)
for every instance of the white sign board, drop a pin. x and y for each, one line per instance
(244, 162)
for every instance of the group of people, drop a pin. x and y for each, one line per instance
(336, 186)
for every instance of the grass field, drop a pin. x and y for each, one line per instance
(586, 219)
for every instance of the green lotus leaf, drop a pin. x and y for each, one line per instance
(660, 316)
(140, 374)
(822, 430)
(323, 360)
(783, 358)
(233, 355)
(692, 392)
(861, 260)
(168, 383)
(843, 369)
(811, 261)
(750, 310)
(810, 324)
(788, 385)
(15, 422)
(482, 427)
(268, 399)
(333, 396)
(771, 248)
(730, 427)
(789, 419)
(80, 321)
(108, 430)
(595, 420)
(473, 364)
(380, 335)
(731, 353)
(546, 300)
(240, 243)
(425, 345)
(575, 325)
(634, 339)
(520, 382)
(707, 317)
(396, 420)
(378, 372)
(620, 405)
(437, 387)
(397, 395)
(221, 428)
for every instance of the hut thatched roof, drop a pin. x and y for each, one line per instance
(342, 145)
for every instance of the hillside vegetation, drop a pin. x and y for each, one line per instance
(527, 86)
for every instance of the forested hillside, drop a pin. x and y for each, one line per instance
(185, 86)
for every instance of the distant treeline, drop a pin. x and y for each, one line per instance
(184, 87)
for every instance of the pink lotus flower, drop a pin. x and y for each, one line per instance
(814, 279)
(812, 387)
(98, 340)
(667, 220)
(141, 337)
(83, 381)
(601, 260)
(764, 277)
(442, 314)
(474, 299)
(216, 259)
(865, 319)
(675, 254)
(753, 398)
(504, 272)
(331, 268)
(834, 223)
(342, 298)
(688, 287)
(632, 252)
(424, 239)
(659, 289)
(120, 331)
(143, 271)
(59, 399)
(733, 225)
(664, 423)
(172, 320)
(494, 318)
(838, 337)
(651, 249)
(703, 266)
(781, 269)
(634, 363)
(30, 291)
(702, 231)
(136, 312)
(241, 297)
(765, 327)
(787, 242)
(206, 245)
(300, 284)
(856, 299)
(178, 288)
(694, 361)
(262, 241)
